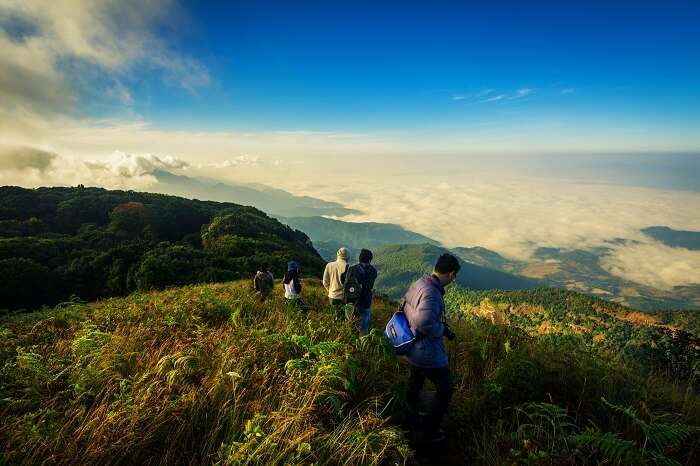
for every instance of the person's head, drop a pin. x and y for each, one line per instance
(264, 267)
(446, 268)
(365, 256)
(342, 254)
(292, 266)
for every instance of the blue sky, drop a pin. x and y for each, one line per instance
(433, 67)
(319, 80)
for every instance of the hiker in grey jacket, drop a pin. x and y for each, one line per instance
(425, 308)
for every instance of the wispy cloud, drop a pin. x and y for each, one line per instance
(472, 96)
(567, 90)
(245, 159)
(495, 98)
(491, 95)
(523, 92)
(120, 93)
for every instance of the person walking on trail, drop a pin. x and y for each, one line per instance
(359, 282)
(263, 282)
(292, 285)
(334, 278)
(425, 308)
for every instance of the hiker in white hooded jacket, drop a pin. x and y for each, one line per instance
(334, 279)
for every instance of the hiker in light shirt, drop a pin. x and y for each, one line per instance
(333, 280)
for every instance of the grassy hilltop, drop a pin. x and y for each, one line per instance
(205, 374)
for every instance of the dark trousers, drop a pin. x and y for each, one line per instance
(442, 378)
(337, 306)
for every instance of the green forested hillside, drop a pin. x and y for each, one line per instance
(399, 266)
(329, 235)
(639, 339)
(207, 374)
(89, 243)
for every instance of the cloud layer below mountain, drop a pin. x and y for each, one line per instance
(515, 215)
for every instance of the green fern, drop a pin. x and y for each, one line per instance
(609, 444)
(657, 435)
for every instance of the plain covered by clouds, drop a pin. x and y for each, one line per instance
(654, 264)
(516, 215)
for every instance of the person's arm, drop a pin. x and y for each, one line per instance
(326, 277)
(371, 279)
(297, 285)
(256, 285)
(427, 319)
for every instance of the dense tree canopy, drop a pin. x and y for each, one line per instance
(87, 243)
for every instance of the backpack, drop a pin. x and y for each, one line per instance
(352, 288)
(399, 332)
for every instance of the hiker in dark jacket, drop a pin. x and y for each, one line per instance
(292, 285)
(367, 275)
(425, 308)
(292, 281)
(263, 281)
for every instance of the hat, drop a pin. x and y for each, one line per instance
(342, 253)
(292, 265)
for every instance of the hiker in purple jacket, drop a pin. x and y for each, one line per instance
(425, 308)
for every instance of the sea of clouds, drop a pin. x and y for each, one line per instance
(516, 215)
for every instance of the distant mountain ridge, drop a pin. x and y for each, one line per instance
(273, 201)
(578, 269)
(674, 238)
(399, 266)
(328, 235)
(581, 270)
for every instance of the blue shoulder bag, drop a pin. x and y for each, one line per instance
(399, 332)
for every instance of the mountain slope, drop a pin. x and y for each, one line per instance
(581, 270)
(399, 266)
(329, 235)
(56, 243)
(210, 374)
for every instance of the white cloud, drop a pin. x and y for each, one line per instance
(495, 98)
(120, 170)
(245, 159)
(282, 163)
(515, 215)
(523, 92)
(458, 97)
(120, 93)
(71, 44)
(23, 159)
(654, 264)
(567, 90)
